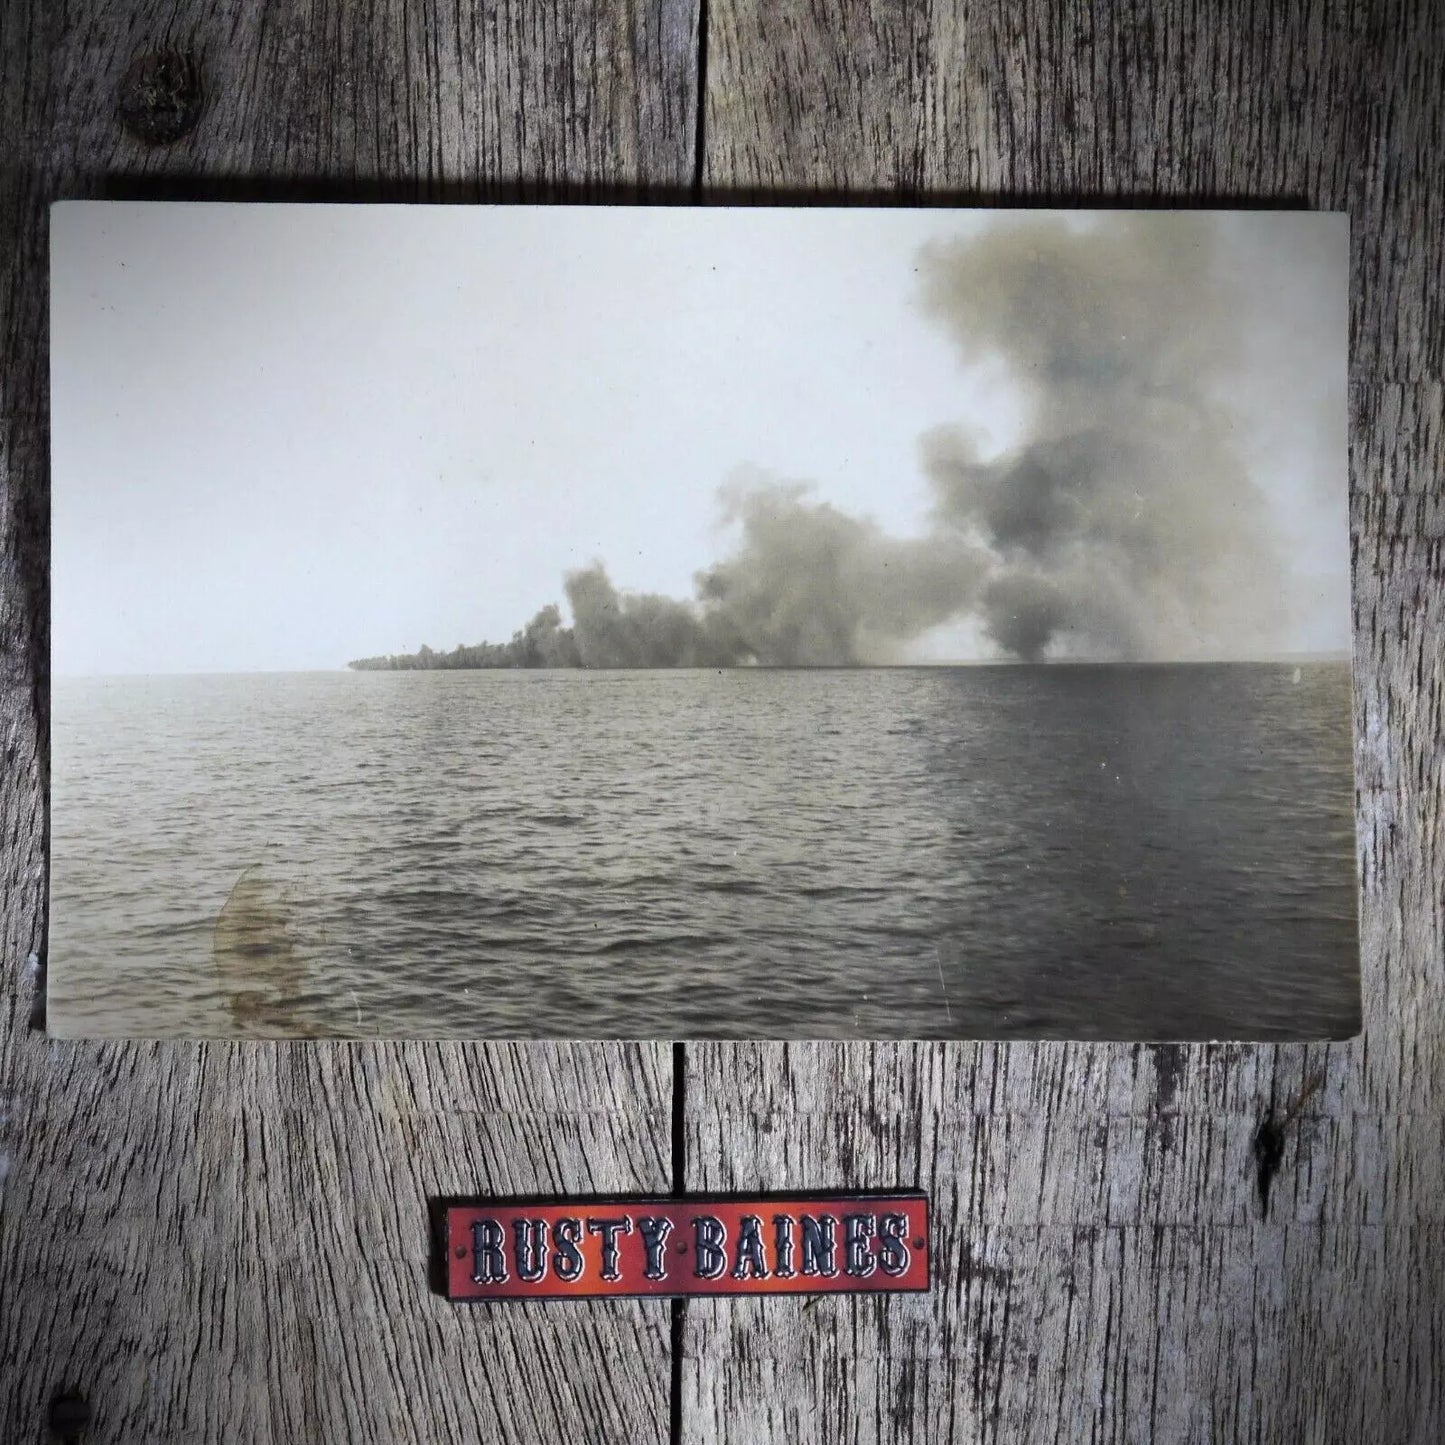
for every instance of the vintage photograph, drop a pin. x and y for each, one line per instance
(662, 622)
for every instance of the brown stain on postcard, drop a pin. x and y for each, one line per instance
(259, 970)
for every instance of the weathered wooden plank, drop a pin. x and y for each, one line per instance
(1106, 1274)
(1088, 1334)
(1114, 1262)
(230, 1241)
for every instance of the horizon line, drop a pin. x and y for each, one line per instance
(1273, 659)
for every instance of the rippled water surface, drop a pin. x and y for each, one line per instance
(1088, 852)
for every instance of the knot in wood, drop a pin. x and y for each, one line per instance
(160, 97)
(69, 1415)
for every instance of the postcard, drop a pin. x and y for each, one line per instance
(513, 622)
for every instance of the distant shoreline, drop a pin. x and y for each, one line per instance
(1284, 660)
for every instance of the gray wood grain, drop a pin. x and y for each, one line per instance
(229, 1241)
(1110, 1264)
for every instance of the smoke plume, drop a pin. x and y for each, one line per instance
(1121, 523)
(1124, 524)
(808, 585)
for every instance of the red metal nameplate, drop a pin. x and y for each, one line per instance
(574, 1249)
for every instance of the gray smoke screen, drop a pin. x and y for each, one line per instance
(809, 585)
(1124, 523)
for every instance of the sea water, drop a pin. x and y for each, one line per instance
(1158, 852)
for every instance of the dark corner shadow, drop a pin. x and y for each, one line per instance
(138, 186)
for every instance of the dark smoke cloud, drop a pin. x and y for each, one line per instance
(808, 585)
(1122, 524)
(613, 629)
(1125, 523)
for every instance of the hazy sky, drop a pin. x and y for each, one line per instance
(286, 436)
